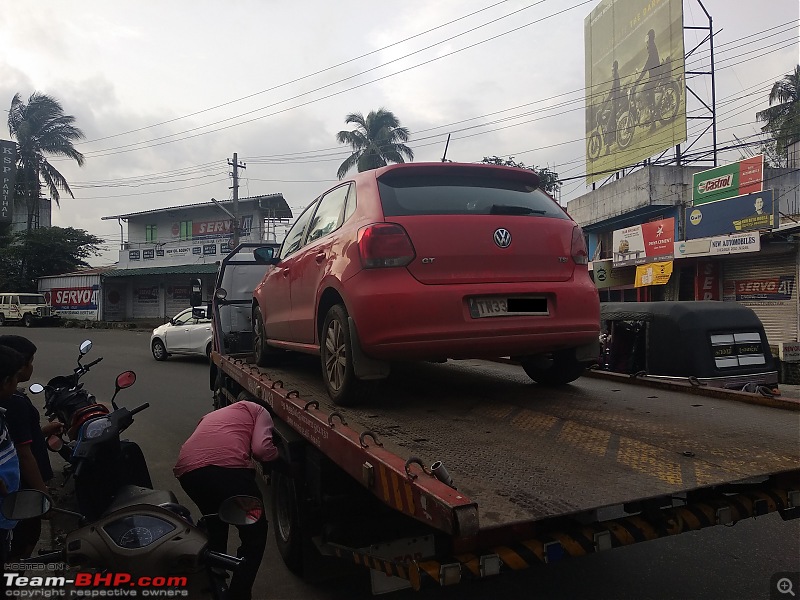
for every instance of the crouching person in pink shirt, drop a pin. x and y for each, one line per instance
(215, 464)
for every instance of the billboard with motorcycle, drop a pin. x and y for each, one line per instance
(635, 84)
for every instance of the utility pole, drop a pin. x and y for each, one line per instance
(236, 220)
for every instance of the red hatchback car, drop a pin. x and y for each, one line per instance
(429, 261)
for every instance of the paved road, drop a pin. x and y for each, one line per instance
(729, 563)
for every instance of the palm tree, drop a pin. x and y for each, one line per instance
(41, 129)
(783, 119)
(376, 141)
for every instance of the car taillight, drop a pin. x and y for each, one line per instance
(384, 245)
(579, 252)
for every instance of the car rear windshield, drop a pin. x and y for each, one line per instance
(454, 195)
(31, 299)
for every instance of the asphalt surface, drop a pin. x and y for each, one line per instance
(723, 562)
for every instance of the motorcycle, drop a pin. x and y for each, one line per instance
(144, 539)
(101, 463)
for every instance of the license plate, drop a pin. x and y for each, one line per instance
(503, 306)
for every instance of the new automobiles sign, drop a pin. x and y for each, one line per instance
(644, 243)
(728, 181)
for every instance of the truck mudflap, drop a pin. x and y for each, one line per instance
(720, 509)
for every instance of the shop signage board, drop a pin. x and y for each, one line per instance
(739, 243)
(728, 181)
(8, 169)
(644, 243)
(657, 273)
(606, 275)
(789, 351)
(750, 212)
(766, 290)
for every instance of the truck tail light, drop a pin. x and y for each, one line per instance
(579, 252)
(384, 245)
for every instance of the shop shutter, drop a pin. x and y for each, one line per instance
(778, 316)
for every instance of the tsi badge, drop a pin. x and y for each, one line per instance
(696, 217)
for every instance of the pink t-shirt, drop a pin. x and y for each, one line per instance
(228, 437)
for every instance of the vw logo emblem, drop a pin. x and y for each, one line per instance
(502, 237)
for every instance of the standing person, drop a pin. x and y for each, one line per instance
(24, 425)
(11, 362)
(214, 464)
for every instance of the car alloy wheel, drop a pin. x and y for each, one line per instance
(159, 350)
(27, 320)
(265, 355)
(336, 356)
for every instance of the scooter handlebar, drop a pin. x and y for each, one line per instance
(91, 364)
(46, 557)
(139, 408)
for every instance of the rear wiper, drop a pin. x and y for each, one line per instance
(504, 209)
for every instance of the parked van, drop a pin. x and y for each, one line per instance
(31, 309)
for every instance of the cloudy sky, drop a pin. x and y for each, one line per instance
(166, 92)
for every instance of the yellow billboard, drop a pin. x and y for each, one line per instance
(635, 83)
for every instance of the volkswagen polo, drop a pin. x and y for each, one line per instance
(430, 261)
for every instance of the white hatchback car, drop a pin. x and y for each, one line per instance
(184, 334)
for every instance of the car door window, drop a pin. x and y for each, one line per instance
(183, 318)
(329, 213)
(294, 239)
(351, 204)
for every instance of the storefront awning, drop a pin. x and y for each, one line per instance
(198, 269)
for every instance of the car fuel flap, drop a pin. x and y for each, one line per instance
(455, 249)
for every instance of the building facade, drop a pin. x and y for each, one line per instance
(166, 248)
(750, 264)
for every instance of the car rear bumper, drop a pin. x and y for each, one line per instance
(399, 318)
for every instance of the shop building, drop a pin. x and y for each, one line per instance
(628, 223)
(164, 249)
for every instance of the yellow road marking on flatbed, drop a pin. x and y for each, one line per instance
(590, 439)
(649, 460)
(528, 420)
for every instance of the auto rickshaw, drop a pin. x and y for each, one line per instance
(719, 344)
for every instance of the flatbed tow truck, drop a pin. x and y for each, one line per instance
(466, 470)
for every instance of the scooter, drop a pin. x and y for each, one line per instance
(100, 461)
(145, 539)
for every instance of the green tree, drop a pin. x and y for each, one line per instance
(783, 119)
(376, 141)
(41, 129)
(27, 255)
(549, 179)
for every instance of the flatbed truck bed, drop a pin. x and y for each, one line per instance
(536, 474)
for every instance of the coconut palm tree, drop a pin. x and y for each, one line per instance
(376, 141)
(783, 119)
(41, 129)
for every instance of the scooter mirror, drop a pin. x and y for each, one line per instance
(25, 504)
(85, 346)
(36, 388)
(55, 443)
(125, 380)
(240, 510)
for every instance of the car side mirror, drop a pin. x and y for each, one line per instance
(264, 255)
(198, 313)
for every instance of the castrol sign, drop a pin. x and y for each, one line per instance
(728, 181)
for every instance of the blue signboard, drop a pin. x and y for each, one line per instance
(742, 213)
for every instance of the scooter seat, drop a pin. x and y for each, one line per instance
(131, 495)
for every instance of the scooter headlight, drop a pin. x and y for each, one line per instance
(95, 428)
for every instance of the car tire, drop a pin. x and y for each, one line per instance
(27, 320)
(159, 350)
(286, 519)
(208, 351)
(2, 319)
(554, 368)
(336, 358)
(265, 355)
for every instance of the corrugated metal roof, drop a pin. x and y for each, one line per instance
(197, 269)
(89, 271)
(274, 202)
